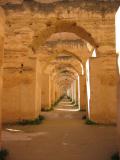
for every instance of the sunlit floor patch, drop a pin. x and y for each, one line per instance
(9, 136)
(62, 136)
(68, 110)
(68, 106)
(13, 130)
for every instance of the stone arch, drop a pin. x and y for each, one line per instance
(59, 74)
(58, 53)
(62, 26)
(65, 65)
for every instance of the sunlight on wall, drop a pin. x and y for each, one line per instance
(79, 92)
(94, 53)
(117, 27)
(88, 86)
(72, 89)
(74, 93)
(69, 92)
(82, 69)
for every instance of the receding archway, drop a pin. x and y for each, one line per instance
(62, 26)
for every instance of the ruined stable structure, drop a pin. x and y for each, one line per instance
(53, 47)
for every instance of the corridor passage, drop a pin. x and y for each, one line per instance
(62, 136)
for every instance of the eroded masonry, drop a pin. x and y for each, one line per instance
(52, 48)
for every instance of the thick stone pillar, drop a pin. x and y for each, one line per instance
(69, 93)
(78, 81)
(2, 26)
(57, 93)
(103, 89)
(38, 87)
(46, 91)
(83, 93)
(88, 87)
(21, 92)
(74, 91)
(118, 115)
(117, 24)
(52, 92)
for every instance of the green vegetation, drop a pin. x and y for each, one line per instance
(36, 121)
(90, 122)
(115, 157)
(3, 154)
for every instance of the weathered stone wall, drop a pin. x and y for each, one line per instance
(76, 91)
(19, 100)
(38, 88)
(83, 93)
(2, 36)
(57, 93)
(21, 19)
(45, 91)
(52, 92)
(29, 24)
(117, 22)
(103, 89)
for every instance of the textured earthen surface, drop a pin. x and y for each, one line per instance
(103, 89)
(44, 47)
(61, 34)
(63, 135)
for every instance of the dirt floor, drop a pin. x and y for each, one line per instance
(62, 136)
